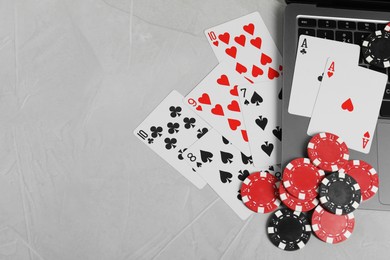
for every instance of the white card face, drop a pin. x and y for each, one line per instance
(312, 54)
(348, 104)
(261, 106)
(169, 130)
(247, 42)
(216, 100)
(224, 168)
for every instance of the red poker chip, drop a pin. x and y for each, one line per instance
(365, 175)
(328, 152)
(301, 179)
(259, 192)
(332, 228)
(295, 203)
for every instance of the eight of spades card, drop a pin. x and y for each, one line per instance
(224, 168)
(169, 130)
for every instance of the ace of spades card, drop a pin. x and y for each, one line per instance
(224, 168)
(247, 42)
(169, 130)
(261, 106)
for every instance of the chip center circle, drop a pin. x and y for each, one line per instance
(290, 229)
(265, 193)
(304, 177)
(380, 48)
(340, 192)
(324, 149)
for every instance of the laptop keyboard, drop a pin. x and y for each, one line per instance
(351, 32)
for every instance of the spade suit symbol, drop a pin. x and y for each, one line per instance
(243, 174)
(256, 99)
(246, 159)
(261, 122)
(225, 141)
(267, 148)
(206, 156)
(226, 157)
(225, 176)
(277, 133)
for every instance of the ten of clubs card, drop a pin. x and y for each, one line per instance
(169, 130)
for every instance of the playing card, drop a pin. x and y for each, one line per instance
(247, 42)
(169, 130)
(224, 168)
(261, 106)
(348, 103)
(216, 100)
(312, 54)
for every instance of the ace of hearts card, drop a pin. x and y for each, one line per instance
(348, 103)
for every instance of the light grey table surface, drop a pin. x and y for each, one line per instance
(77, 77)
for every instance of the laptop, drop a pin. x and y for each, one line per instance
(341, 20)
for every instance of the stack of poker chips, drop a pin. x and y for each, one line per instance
(318, 193)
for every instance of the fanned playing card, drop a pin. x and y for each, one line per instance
(169, 130)
(261, 105)
(216, 100)
(348, 103)
(247, 42)
(312, 54)
(224, 168)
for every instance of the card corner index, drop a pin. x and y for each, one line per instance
(136, 131)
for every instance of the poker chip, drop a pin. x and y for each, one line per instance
(332, 228)
(376, 48)
(365, 175)
(288, 230)
(339, 193)
(295, 203)
(328, 152)
(259, 192)
(301, 179)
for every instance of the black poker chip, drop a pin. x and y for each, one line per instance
(288, 230)
(339, 193)
(376, 48)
